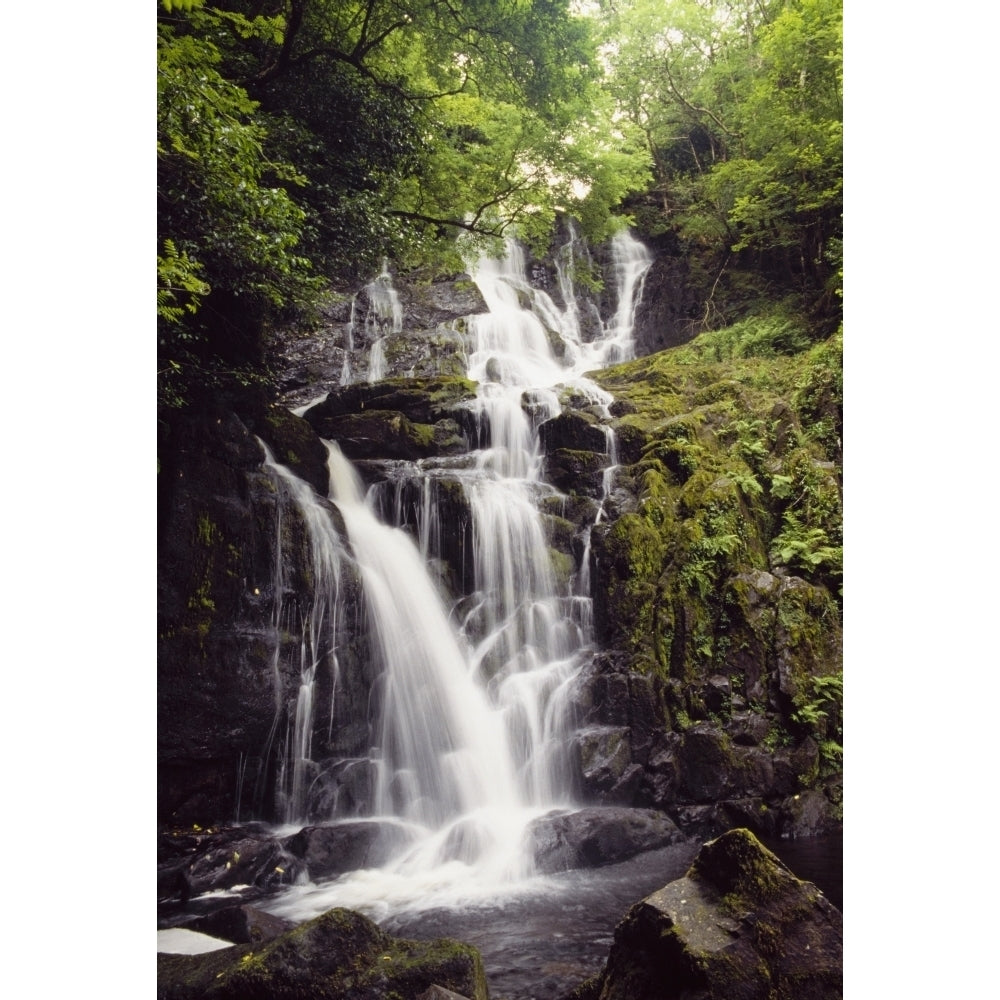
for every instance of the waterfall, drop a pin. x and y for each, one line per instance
(631, 261)
(317, 625)
(473, 732)
(345, 372)
(384, 316)
(443, 753)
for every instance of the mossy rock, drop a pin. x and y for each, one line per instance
(421, 400)
(737, 926)
(573, 430)
(375, 434)
(574, 471)
(295, 444)
(340, 955)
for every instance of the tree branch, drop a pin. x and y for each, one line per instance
(472, 227)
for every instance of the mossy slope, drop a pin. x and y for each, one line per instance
(718, 571)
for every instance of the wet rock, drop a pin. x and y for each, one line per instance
(595, 836)
(440, 993)
(421, 400)
(390, 434)
(331, 850)
(738, 926)
(575, 471)
(296, 445)
(432, 303)
(340, 955)
(605, 756)
(572, 430)
(190, 866)
(216, 693)
(706, 763)
(814, 812)
(748, 728)
(669, 311)
(241, 925)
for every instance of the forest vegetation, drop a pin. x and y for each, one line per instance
(302, 142)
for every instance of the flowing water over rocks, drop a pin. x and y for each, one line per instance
(471, 710)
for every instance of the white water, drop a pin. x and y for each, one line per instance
(473, 737)
(384, 316)
(318, 622)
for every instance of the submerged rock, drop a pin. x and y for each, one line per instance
(340, 955)
(738, 926)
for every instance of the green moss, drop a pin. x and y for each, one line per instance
(563, 567)
(728, 479)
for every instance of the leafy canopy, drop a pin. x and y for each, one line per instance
(300, 139)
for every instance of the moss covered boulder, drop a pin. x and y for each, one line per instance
(397, 418)
(340, 955)
(738, 926)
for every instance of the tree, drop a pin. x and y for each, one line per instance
(227, 224)
(784, 193)
(306, 138)
(739, 106)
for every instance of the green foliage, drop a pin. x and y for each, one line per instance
(739, 104)
(785, 190)
(820, 710)
(179, 290)
(805, 548)
(228, 226)
(732, 487)
(315, 137)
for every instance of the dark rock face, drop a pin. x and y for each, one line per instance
(396, 418)
(295, 445)
(589, 838)
(709, 775)
(669, 311)
(430, 343)
(738, 926)
(340, 955)
(216, 511)
(440, 302)
(228, 669)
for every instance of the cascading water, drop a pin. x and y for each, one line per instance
(384, 316)
(318, 627)
(473, 737)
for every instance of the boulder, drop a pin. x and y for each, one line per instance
(295, 444)
(421, 400)
(595, 836)
(340, 955)
(738, 926)
(343, 847)
(575, 471)
(576, 431)
(427, 304)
